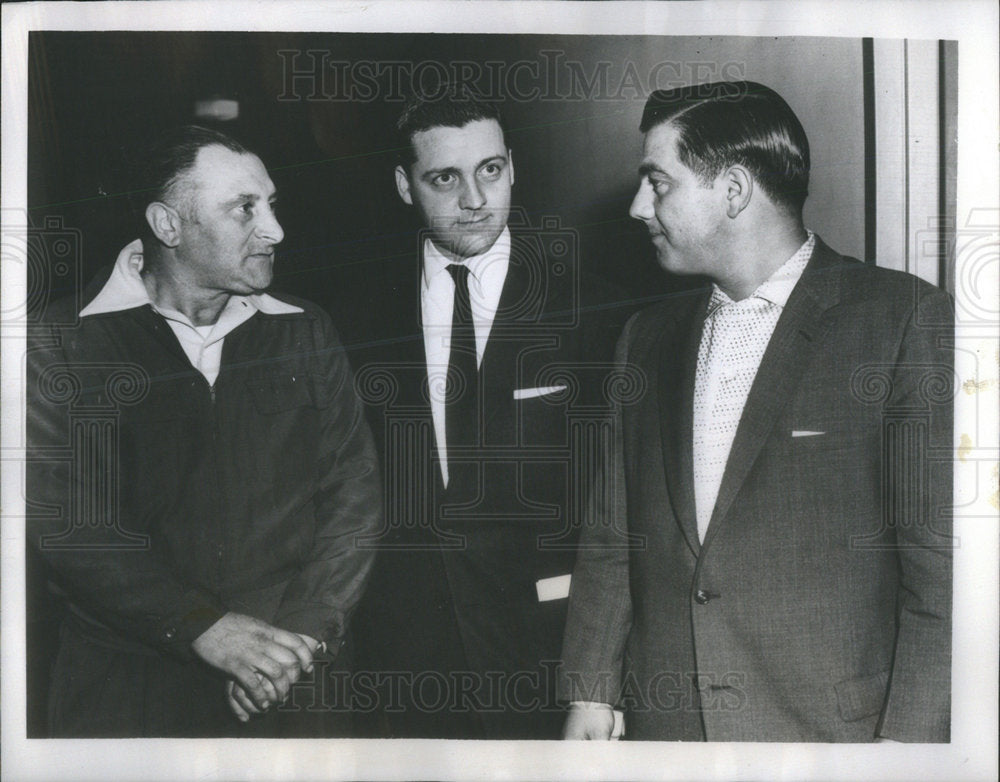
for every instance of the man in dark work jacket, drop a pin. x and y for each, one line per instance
(208, 467)
(462, 626)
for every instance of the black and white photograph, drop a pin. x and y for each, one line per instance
(479, 390)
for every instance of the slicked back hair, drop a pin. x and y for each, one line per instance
(456, 108)
(162, 163)
(738, 122)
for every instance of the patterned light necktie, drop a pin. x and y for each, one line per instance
(733, 342)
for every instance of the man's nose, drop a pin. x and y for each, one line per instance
(642, 203)
(269, 229)
(472, 196)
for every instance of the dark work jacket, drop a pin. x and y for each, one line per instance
(161, 503)
(453, 606)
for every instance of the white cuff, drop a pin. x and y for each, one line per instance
(618, 728)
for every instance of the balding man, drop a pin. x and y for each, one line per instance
(206, 547)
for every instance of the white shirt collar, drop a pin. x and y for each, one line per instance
(483, 268)
(778, 287)
(125, 290)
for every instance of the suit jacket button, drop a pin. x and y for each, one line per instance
(170, 634)
(701, 597)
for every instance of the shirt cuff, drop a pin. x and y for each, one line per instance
(179, 629)
(618, 726)
(316, 621)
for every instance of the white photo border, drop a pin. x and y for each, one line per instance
(972, 751)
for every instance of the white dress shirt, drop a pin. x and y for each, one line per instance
(487, 272)
(125, 290)
(733, 341)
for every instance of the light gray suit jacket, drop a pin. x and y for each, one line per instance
(818, 607)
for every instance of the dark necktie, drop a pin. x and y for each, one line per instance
(462, 392)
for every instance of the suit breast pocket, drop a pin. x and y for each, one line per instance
(542, 421)
(819, 438)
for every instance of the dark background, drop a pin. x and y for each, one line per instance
(93, 95)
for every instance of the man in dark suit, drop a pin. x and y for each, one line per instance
(484, 397)
(785, 480)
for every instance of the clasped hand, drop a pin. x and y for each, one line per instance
(262, 660)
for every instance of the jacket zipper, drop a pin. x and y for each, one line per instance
(214, 420)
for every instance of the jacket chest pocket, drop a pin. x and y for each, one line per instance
(288, 421)
(281, 393)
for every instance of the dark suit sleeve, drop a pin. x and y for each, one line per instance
(600, 606)
(320, 599)
(919, 476)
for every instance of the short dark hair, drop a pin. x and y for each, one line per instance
(159, 164)
(454, 107)
(738, 122)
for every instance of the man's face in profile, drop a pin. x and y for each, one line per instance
(684, 216)
(229, 228)
(460, 183)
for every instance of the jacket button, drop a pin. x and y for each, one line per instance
(170, 633)
(701, 597)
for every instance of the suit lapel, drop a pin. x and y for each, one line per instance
(411, 349)
(521, 304)
(796, 335)
(678, 358)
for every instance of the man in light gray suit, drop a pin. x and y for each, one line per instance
(776, 562)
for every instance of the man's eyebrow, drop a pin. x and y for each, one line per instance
(651, 168)
(251, 197)
(433, 172)
(430, 173)
(241, 197)
(491, 159)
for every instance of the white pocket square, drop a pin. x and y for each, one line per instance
(555, 588)
(805, 433)
(531, 393)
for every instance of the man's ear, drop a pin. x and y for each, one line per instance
(510, 164)
(403, 185)
(165, 223)
(738, 185)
